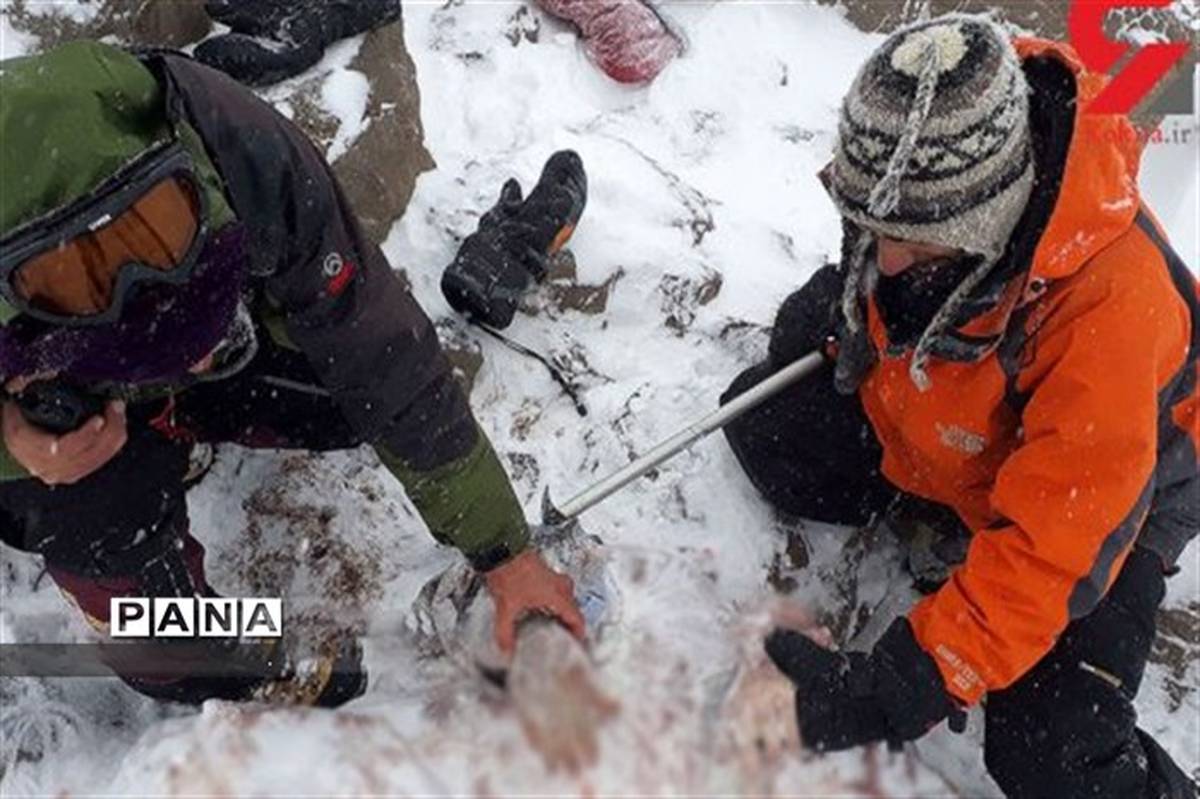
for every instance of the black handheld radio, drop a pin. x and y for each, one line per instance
(56, 406)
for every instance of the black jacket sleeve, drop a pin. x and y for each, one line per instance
(365, 336)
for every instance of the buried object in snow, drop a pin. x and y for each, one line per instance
(627, 39)
(452, 617)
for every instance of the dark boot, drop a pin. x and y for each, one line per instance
(512, 246)
(239, 671)
(936, 539)
(330, 677)
(276, 39)
(193, 670)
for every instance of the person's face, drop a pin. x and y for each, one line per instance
(895, 255)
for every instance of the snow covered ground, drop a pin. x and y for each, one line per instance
(704, 213)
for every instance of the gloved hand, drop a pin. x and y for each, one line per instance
(514, 241)
(808, 317)
(276, 39)
(847, 699)
(63, 456)
(526, 585)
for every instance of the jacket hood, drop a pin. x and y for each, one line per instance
(86, 110)
(1091, 200)
(70, 118)
(1098, 199)
(1095, 201)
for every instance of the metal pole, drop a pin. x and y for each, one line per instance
(683, 439)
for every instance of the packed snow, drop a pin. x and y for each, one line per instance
(704, 213)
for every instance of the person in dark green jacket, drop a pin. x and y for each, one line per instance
(171, 244)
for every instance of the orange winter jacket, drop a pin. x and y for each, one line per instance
(1074, 430)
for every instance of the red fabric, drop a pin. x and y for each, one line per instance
(626, 38)
(166, 424)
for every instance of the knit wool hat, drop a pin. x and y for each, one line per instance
(934, 146)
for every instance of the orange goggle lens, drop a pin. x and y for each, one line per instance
(79, 277)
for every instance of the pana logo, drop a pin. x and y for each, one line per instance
(144, 617)
(957, 438)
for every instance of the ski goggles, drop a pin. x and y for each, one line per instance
(145, 225)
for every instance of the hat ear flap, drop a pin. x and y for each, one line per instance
(856, 353)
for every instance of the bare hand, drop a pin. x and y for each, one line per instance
(525, 585)
(64, 459)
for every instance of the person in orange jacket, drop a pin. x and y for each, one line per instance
(1015, 340)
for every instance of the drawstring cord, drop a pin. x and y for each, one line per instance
(568, 387)
(942, 320)
(885, 197)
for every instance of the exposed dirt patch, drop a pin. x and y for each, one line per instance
(680, 298)
(347, 576)
(379, 172)
(523, 26)
(319, 124)
(561, 291)
(1177, 646)
(842, 576)
(790, 559)
(171, 23)
(525, 471)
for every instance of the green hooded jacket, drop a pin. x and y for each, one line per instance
(87, 109)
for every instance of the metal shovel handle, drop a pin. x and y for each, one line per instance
(682, 440)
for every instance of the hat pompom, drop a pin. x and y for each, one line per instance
(947, 40)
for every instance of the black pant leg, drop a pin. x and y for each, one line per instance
(1068, 727)
(810, 451)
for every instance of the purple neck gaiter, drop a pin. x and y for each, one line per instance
(163, 330)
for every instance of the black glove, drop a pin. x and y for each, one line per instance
(58, 406)
(276, 39)
(847, 699)
(514, 241)
(808, 317)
